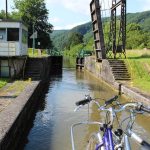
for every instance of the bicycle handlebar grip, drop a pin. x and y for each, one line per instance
(145, 109)
(83, 102)
(145, 145)
(107, 102)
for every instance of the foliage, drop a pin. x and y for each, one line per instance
(136, 37)
(9, 15)
(34, 13)
(74, 39)
(3, 14)
(36, 53)
(138, 33)
(60, 39)
(3, 82)
(83, 29)
(73, 50)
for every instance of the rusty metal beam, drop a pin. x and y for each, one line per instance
(118, 42)
(99, 45)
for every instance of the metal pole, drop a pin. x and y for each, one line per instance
(6, 11)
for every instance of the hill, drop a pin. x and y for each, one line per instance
(60, 37)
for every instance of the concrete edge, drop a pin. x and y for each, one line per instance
(104, 73)
(9, 115)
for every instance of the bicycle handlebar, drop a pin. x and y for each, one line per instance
(137, 106)
(143, 108)
(85, 101)
(109, 101)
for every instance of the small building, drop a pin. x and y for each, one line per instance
(13, 47)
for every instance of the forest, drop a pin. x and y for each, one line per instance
(69, 42)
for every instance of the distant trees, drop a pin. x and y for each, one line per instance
(34, 13)
(136, 37)
(74, 39)
(2, 14)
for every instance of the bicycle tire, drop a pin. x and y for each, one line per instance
(95, 139)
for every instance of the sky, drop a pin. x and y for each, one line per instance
(66, 14)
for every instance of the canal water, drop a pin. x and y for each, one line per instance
(51, 126)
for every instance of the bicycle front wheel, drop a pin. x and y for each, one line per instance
(94, 142)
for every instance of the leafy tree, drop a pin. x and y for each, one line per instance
(74, 39)
(2, 14)
(34, 13)
(133, 27)
(136, 37)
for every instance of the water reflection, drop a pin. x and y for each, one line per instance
(51, 130)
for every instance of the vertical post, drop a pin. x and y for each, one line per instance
(113, 24)
(6, 11)
(119, 90)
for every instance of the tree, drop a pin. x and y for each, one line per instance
(2, 14)
(74, 39)
(34, 14)
(136, 37)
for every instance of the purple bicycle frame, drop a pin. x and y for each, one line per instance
(107, 140)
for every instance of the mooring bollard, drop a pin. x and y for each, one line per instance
(119, 90)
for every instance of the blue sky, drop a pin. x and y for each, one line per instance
(65, 14)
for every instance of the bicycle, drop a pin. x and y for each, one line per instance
(107, 138)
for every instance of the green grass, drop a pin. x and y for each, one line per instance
(138, 63)
(36, 54)
(3, 82)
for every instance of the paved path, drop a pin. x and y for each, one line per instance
(9, 92)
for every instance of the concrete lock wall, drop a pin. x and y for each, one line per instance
(102, 70)
(48, 65)
(16, 117)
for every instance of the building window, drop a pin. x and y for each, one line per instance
(12, 34)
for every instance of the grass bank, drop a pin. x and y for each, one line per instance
(138, 62)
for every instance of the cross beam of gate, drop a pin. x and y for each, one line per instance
(117, 42)
(117, 39)
(97, 30)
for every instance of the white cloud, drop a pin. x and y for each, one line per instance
(78, 6)
(55, 20)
